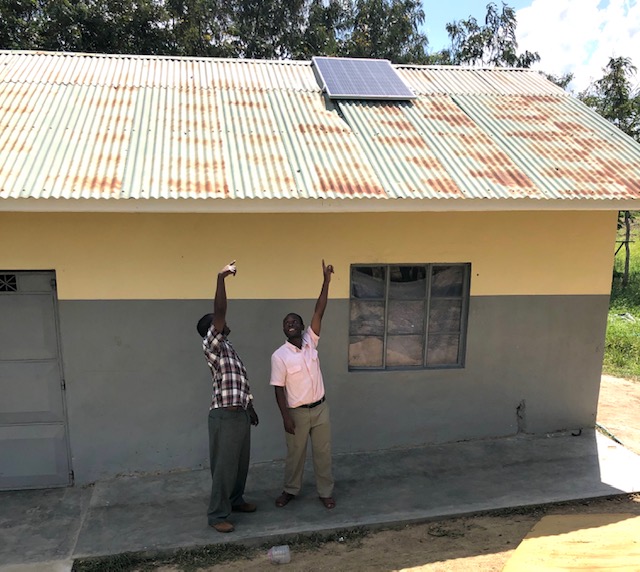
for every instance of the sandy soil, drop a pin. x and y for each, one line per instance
(619, 410)
(479, 543)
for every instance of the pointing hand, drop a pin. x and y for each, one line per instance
(327, 270)
(229, 269)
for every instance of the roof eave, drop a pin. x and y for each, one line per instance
(313, 205)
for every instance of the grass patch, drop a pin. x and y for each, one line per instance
(622, 344)
(194, 559)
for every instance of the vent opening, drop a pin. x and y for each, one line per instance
(8, 283)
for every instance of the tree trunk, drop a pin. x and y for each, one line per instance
(627, 250)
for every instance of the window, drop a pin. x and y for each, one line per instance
(408, 316)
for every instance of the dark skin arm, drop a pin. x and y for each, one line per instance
(281, 399)
(220, 317)
(321, 304)
(220, 301)
(253, 416)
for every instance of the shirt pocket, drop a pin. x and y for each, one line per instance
(295, 373)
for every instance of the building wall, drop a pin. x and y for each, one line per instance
(132, 286)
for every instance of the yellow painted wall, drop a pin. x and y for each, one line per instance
(177, 256)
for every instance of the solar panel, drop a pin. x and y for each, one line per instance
(355, 78)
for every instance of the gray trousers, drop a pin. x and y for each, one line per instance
(229, 447)
(310, 423)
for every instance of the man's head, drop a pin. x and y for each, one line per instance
(204, 324)
(292, 326)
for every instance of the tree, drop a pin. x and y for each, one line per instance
(111, 26)
(199, 27)
(560, 80)
(491, 44)
(274, 29)
(126, 27)
(20, 24)
(387, 29)
(614, 97)
(324, 34)
(265, 29)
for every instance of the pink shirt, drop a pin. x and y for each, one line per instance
(298, 370)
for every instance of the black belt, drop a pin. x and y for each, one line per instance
(314, 404)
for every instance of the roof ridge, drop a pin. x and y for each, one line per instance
(152, 57)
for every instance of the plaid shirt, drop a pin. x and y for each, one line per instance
(230, 383)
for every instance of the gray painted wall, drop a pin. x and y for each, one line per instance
(138, 388)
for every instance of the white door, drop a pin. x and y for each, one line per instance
(34, 451)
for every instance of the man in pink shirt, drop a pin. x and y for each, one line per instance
(297, 379)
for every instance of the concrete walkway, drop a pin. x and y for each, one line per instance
(47, 529)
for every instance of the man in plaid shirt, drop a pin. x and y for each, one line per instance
(230, 416)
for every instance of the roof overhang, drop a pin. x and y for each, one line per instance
(308, 205)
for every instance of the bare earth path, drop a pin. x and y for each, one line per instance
(479, 543)
(619, 410)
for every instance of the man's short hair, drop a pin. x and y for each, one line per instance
(204, 324)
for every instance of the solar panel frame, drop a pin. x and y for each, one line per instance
(361, 78)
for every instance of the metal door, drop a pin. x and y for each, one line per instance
(34, 451)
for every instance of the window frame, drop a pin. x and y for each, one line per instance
(464, 299)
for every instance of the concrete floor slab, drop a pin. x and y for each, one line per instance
(51, 566)
(38, 525)
(161, 512)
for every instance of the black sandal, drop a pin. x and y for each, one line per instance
(328, 502)
(284, 499)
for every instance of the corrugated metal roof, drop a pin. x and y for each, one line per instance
(449, 80)
(143, 127)
(431, 148)
(563, 147)
(154, 71)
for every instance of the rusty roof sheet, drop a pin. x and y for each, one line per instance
(431, 148)
(449, 80)
(562, 146)
(131, 71)
(143, 127)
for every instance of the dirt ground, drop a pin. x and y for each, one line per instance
(480, 543)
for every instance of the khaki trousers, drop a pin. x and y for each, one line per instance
(310, 423)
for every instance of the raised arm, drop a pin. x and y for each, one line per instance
(220, 301)
(321, 304)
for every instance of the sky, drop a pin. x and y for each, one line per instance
(577, 36)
